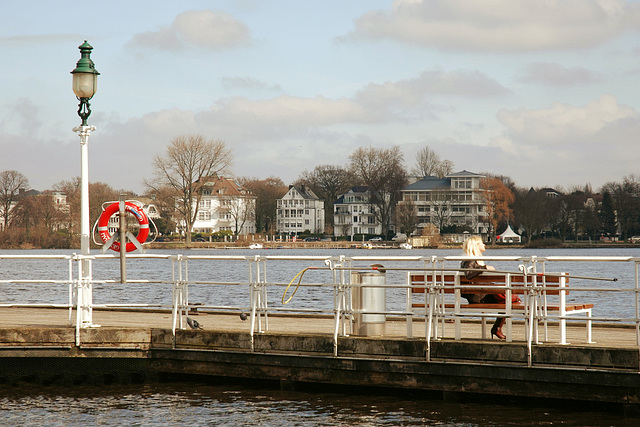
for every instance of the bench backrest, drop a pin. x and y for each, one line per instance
(492, 280)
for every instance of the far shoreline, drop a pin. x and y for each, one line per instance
(344, 245)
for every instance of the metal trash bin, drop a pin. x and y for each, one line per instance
(369, 298)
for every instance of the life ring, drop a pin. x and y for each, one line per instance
(112, 209)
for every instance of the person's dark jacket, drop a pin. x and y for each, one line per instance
(474, 298)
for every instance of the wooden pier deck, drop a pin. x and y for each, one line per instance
(38, 345)
(610, 335)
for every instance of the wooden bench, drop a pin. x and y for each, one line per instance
(439, 284)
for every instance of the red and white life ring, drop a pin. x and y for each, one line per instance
(112, 209)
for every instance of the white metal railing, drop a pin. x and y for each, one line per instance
(259, 276)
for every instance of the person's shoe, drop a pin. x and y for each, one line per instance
(497, 329)
(498, 333)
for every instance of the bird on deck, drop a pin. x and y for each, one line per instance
(243, 316)
(193, 324)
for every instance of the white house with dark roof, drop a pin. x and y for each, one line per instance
(354, 213)
(300, 210)
(225, 205)
(456, 199)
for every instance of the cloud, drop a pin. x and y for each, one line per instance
(549, 74)
(602, 126)
(39, 39)
(248, 83)
(410, 92)
(206, 29)
(288, 113)
(500, 25)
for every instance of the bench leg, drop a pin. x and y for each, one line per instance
(589, 338)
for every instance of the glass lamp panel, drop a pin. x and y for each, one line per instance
(84, 84)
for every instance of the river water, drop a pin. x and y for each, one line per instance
(201, 404)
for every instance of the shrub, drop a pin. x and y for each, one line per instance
(545, 243)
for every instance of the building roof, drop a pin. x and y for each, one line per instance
(304, 191)
(358, 189)
(429, 183)
(464, 173)
(226, 186)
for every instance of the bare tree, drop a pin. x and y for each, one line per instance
(241, 209)
(406, 217)
(532, 211)
(184, 167)
(441, 208)
(428, 163)
(11, 182)
(328, 182)
(383, 172)
(72, 190)
(267, 191)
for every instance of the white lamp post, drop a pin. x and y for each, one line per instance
(85, 80)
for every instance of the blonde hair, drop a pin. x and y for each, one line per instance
(471, 247)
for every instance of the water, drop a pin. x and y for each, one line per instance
(610, 302)
(201, 404)
(231, 405)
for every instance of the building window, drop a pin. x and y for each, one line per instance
(463, 183)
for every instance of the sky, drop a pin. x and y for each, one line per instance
(544, 92)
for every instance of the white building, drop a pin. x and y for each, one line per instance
(225, 205)
(300, 210)
(455, 200)
(354, 214)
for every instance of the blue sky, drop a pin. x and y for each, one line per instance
(545, 92)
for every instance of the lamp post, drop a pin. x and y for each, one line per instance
(85, 79)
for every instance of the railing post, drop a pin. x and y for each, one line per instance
(257, 296)
(84, 293)
(563, 310)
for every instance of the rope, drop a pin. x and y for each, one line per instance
(299, 277)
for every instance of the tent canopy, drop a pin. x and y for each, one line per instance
(508, 236)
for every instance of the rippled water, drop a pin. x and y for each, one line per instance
(206, 404)
(209, 405)
(604, 293)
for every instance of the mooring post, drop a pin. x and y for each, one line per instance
(123, 238)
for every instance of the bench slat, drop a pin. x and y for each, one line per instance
(552, 283)
(550, 307)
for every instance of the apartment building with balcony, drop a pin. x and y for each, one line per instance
(299, 210)
(354, 213)
(455, 200)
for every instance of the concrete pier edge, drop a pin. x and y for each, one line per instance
(457, 368)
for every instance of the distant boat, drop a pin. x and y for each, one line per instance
(405, 246)
(255, 246)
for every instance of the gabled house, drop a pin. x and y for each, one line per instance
(354, 213)
(225, 205)
(300, 210)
